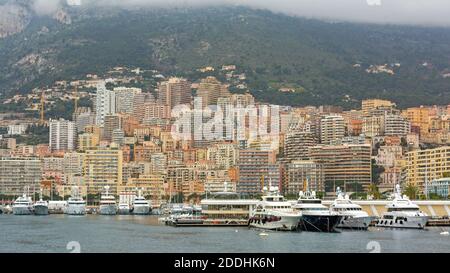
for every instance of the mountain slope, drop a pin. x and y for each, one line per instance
(315, 58)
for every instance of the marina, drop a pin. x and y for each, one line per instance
(144, 234)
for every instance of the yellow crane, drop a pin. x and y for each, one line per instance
(42, 110)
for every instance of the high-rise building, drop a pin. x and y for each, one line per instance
(105, 104)
(256, 170)
(346, 166)
(297, 143)
(224, 155)
(332, 127)
(424, 166)
(210, 89)
(370, 104)
(300, 174)
(17, 173)
(103, 167)
(112, 122)
(125, 99)
(420, 117)
(396, 125)
(62, 135)
(174, 92)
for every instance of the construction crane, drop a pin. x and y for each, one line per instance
(42, 110)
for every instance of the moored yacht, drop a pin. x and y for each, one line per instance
(140, 205)
(353, 217)
(23, 205)
(273, 212)
(315, 216)
(402, 213)
(41, 206)
(76, 205)
(107, 203)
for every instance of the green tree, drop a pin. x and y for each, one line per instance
(374, 191)
(411, 191)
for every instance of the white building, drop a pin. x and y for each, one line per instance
(62, 135)
(332, 127)
(105, 104)
(17, 129)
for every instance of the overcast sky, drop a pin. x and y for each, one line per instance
(422, 12)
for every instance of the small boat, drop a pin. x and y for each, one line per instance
(107, 203)
(41, 206)
(23, 205)
(76, 205)
(140, 205)
(402, 213)
(353, 217)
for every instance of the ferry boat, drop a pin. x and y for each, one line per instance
(274, 212)
(76, 205)
(41, 206)
(227, 208)
(353, 217)
(107, 203)
(402, 213)
(140, 205)
(23, 205)
(315, 216)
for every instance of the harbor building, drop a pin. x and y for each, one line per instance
(440, 187)
(300, 172)
(424, 166)
(347, 166)
(103, 167)
(256, 169)
(16, 173)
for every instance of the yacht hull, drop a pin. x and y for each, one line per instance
(414, 222)
(351, 222)
(124, 211)
(76, 210)
(22, 210)
(286, 223)
(108, 210)
(319, 223)
(40, 210)
(141, 210)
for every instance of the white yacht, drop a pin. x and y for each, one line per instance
(315, 216)
(107, 203)
(273, 212)
(140, 205)
(76, 205)
(402, 213)
(125, 201)
(41, 206)
(23, 205)
(353, 217)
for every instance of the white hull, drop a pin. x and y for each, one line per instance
(352, 222)
(41, 210)
(108, 210)
(141, 210)
(287, 223)
(124, 211)
(76, 210)
(417, 222)
(22, 210)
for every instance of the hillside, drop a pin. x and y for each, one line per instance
(322, 62)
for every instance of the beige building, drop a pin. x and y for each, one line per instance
(103, 167)
(87, 141)
(210, 89)
(371, 104)
(427, 165)
(174, 92)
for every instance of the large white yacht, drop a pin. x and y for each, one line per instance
(23, 205)
(107, 203)
(402, 213)
(353, 217)
(76, 205)
(315, 216)
(273, 212)
(41, 206)
(140, 205)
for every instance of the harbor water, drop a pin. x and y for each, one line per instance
(144, 234)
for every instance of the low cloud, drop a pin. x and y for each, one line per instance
(418, 12)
